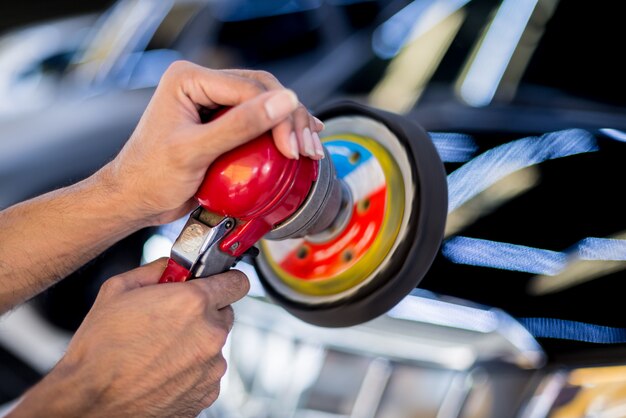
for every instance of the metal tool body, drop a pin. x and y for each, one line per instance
(196, 252)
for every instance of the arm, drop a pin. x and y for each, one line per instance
(153, 178)
(46, 238)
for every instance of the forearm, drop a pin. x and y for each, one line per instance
(45, 239)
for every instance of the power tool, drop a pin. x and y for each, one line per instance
(339, 241)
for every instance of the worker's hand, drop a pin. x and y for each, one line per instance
(165, 160)
(146, 350)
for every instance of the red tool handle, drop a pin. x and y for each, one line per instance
(255, 184)
(174, 272)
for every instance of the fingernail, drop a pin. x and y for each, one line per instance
(293, 144)
(319, 149)
(281, 104)
(319, 124)
(308, 142)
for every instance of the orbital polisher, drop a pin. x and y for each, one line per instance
(339, 241)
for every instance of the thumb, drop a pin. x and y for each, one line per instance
(246, 121)
(146, 275)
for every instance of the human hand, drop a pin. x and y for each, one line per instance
(165, 160)
(144, 350)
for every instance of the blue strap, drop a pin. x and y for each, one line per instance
(507, 256)
(483, 171)
(454, 148)
(502, 255)
(571, 330)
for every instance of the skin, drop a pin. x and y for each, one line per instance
(127, 360)
(146, 350)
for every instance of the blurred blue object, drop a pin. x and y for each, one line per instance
(454, 147)
(496, 51)
(602, 249)
(573, 330)
(497, 163)
(237, 10)
(503, 255)
(33, 59)
(410, 22)
(614, 134)
(72, 59)
(507, 256)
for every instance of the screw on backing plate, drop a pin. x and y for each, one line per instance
(302, 252)
(364, 205)
(347, 256)
(354, 157)
(234, 246)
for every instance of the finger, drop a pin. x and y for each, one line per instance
(284, 133)
(285, 139)
(224, 289)
(211, 88)
(303, 132)
(146, 275)
(263, 77)
(227, 315)
(319, 125)
(245, 122)
(270, 82)
(210, 395)
(288, 134)
(317, 144)
(303, 129)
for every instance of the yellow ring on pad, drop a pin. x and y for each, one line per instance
(382, 244)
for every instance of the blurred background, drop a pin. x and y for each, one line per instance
(521, 314)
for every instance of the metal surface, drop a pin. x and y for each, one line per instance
(191, 241)
(320, 208)
(196, 250)
(213, 260)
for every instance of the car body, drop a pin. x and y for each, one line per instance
(32, 58)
